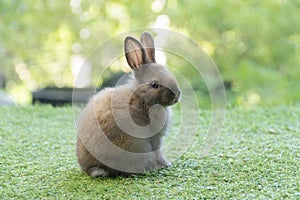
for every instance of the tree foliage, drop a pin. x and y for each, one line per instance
(255, 44)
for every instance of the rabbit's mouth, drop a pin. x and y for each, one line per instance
(169, 98)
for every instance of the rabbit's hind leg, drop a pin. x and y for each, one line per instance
(97, 172)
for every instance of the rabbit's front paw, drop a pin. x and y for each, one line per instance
(161, 163)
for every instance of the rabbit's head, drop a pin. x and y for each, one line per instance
(155, 84)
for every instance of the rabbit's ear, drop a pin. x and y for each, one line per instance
(147, 41)
(134, 52)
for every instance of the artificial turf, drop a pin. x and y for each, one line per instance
(257, 156)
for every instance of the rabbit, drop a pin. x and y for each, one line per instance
(120, 130)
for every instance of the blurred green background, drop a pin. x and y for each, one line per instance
(255, 44)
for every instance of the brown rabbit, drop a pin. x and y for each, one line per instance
(120, 130)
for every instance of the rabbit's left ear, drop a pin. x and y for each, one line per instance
(148, 43)
(134, 52)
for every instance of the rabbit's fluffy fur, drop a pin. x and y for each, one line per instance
(106, 149)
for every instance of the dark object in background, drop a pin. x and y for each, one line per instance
(67, 95)
(60, 96)
(5, 99)
(2, 81)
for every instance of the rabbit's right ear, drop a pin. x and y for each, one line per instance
(134, 52)
(148, 42)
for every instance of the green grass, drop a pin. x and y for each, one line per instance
(256, 157)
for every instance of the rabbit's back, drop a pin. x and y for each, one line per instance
(98, 118)
(88, 126)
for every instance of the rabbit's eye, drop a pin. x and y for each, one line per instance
(154, 84)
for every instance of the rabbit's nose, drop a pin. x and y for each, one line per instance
(175, 100)
(177, 96)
